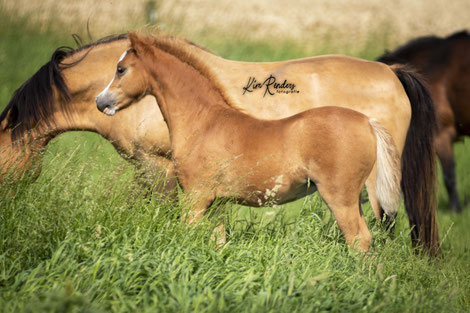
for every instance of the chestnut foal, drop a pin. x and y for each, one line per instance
(221, 152)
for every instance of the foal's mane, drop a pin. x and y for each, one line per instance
(33, 101)
(183, 50)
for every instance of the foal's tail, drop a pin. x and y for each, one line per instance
(387, 185)
(419, 163)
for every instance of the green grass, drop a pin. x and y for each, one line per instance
(272, 49)
(80, 239)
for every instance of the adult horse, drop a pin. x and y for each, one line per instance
(220, 152)
(445, 64)
(72, 79)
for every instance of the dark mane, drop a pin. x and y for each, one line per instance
(403, 53)
(459, 35)
(33, 101)
(101, 41)
(432, 52)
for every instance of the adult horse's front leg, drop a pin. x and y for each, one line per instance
(446, 155)
(445, 137)
(156, 174)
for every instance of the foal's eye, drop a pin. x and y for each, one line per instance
(120, 70)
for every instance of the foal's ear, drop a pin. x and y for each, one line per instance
(137, 44)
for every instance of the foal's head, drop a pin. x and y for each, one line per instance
(130, 83)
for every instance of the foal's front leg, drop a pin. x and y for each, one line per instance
(198, 202)
(196, 205)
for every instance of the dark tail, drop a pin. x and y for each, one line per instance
(419, 163)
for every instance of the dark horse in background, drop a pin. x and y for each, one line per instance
(445, 64)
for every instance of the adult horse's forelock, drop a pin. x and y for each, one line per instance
(33, 102)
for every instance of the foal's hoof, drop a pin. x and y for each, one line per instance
(218, 236)
(220, 242)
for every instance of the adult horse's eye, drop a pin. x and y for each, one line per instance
(120, 70)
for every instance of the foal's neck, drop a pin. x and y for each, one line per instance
(189, 99)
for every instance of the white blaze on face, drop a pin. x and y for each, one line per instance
(122, 56)
(103, 93)
(112, 80)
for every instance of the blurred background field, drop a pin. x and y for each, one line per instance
(313, 25)
(79, 239)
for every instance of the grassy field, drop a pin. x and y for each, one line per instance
(80, 239)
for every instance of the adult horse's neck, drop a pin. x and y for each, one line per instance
(189, 100)
(84, 80)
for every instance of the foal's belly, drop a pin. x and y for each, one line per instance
(279, 194)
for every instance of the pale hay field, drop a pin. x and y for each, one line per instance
(340, 23)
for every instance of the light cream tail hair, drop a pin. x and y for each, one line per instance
(387, 185)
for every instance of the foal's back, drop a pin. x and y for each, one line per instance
(320, 144)
(312, 131)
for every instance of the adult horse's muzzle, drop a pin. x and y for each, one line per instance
(106, 103)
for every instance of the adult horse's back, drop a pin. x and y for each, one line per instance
(445, 64)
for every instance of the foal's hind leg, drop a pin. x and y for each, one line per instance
(343, 201)
(374, 202)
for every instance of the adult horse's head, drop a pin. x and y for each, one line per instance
(129, 83)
